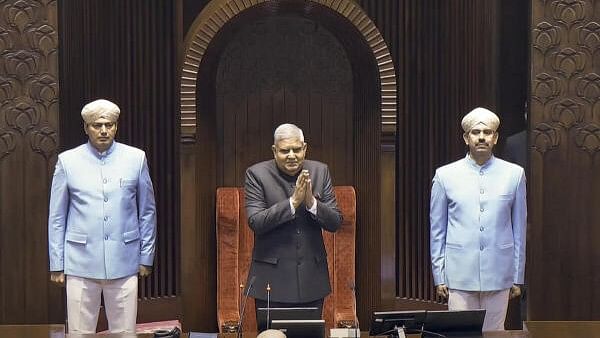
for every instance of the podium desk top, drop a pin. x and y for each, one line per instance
(563, 329)
(533, 329)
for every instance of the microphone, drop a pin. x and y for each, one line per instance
(356, 329)
(352, 286)
(247, 293)
(240, 299)
(268, 305)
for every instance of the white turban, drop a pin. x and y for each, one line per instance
(98, 109)
(480, 115)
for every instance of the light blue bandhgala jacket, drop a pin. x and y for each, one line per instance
(102, 217)
(478, 217)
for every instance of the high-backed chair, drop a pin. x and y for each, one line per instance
(235, 241)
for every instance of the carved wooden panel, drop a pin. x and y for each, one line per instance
(28, 144)
(565, 160)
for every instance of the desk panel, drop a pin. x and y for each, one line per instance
(534, 329)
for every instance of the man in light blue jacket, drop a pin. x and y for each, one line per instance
(478, 222)
(101, 224)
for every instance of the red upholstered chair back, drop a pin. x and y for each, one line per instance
(234, 252)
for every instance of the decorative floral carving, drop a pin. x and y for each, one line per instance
(9, 89)
(44, 38)
(44, 88)
(22, 115)
(589, 36)
(7, 42)
(21, 64)
(46, 2)
(7, 143)
(44, 141)
(588, 87)
(545, 88)
(568, 12)
(568, 62)
(19, 14)
(545, 36)
(545, 138)
(588, 138)
(567, 113)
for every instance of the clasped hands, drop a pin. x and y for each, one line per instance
(442, 291)
(303, 191)
(58, 277)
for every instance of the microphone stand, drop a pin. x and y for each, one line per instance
(352, 286)
(240, 304)
(245, 300)
(268, 306)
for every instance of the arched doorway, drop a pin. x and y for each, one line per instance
(248, 68)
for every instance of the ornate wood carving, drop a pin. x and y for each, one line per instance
(565, 82)
(28, 85)
(565, 146)
(28, 144)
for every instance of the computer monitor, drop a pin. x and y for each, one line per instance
(313, 328)
(285, 313)
(466, 323)
(387, 323)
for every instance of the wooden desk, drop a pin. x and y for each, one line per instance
(563, 329)
(253, 335)
(34, 331)
(56, 331)
(533, 329)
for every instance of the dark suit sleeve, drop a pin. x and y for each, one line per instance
(328, 215)
(260, 218)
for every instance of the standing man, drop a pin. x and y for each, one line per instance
(289, 200)
(101, 224)
(478, 224)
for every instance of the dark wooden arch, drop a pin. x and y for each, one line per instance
(373, 110)
(219, 12)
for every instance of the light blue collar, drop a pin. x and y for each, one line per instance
(476, 166)
(102, 154)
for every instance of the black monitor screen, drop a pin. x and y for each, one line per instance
(285, 313)
(300, 328)
(460, 322)
(386, 323)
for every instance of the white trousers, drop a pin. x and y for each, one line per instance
(495, 304)
(83, 303)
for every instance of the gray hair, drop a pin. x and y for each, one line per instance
(287, 131)
(271, 333)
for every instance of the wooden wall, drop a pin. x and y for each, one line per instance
(127, 52)
(564, 138)
(450, 56)
(78, 51)
(29, 130)
(241, 100)
(439, 79)
(443, 70)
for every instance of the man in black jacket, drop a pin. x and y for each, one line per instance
(289, 200)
